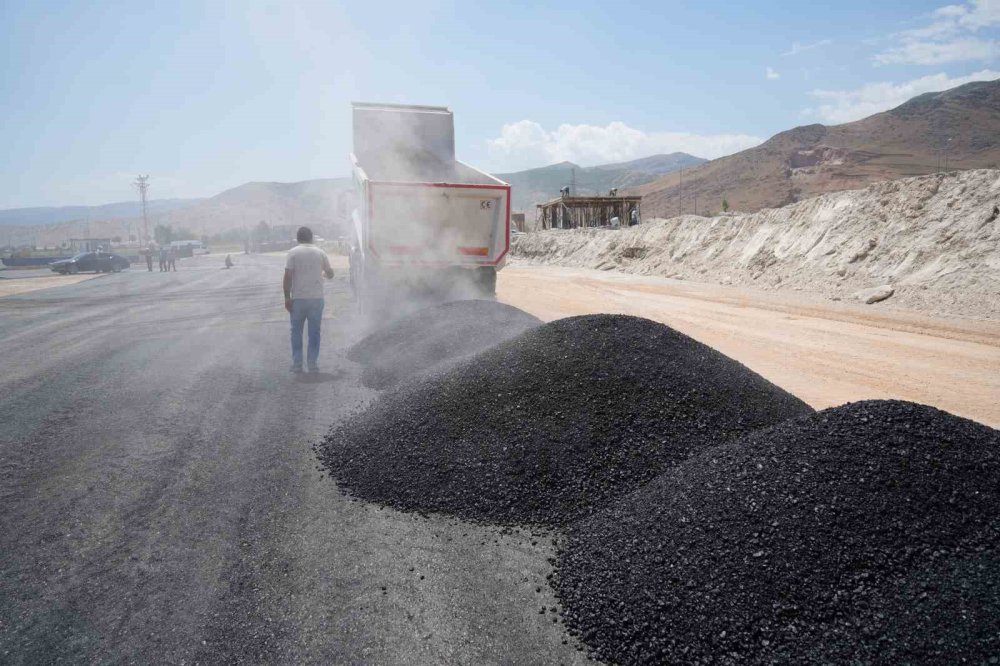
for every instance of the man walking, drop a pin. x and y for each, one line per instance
(303, 285)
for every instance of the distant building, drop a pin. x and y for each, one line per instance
(568, 212)
(78, 245)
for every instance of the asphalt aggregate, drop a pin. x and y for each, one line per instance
(546, 426)
(434, 336)
(160, 501)
(867, 533)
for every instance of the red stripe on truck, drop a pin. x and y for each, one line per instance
(405, 249)
(474, 251)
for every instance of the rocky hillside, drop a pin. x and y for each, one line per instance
(56, 214)
(323, 204)
(537, 185)
(955, 129)
(932, 242)
(316, 203)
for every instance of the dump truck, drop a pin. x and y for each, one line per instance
(425, 227)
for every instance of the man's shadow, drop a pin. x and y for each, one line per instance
(317, 377)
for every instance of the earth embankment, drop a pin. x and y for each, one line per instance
(932, 241)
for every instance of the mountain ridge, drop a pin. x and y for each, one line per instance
(41, 215)
(952, 129)
(532, 186)
(947, 130)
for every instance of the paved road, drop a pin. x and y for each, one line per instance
(160, 503)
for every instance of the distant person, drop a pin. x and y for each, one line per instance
(303, 286)
(163, 259)
(634, 220)
(229, 261)
(172, 259)
(149, 258)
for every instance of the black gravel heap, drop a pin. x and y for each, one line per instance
(543, 427)
(434, 335)
(868, 533)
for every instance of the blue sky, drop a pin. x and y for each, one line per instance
(206, 96)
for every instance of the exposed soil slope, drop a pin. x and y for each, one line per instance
(934, 239)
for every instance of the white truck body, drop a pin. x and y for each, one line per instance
(419, 211)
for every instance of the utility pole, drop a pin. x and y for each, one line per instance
(680, 193)
(142, 184)
(572, 182)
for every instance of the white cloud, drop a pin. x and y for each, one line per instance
(936, 53)
(799, 48)
(842, 106)
(771, 74)
(527, 144)
(947, 37)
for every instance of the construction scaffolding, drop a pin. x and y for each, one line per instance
(568, 212)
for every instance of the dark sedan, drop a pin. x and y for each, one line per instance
(99, 262)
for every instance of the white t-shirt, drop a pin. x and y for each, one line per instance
(307, 263)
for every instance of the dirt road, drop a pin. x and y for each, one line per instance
(160, 503)
(824, 352)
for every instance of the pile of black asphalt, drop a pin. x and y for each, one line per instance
(867, 533)
(435, 336)
(545, 427)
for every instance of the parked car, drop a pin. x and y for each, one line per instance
(99, 262)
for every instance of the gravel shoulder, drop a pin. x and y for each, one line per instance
(825, 353)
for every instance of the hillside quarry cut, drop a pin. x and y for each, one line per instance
(933, 240)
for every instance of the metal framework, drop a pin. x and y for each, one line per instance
(569, 212)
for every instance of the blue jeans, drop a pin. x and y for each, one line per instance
(303, 309)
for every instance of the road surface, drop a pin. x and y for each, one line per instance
(161, 502)
(825, 353)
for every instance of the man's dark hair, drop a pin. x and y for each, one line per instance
(304, 235)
